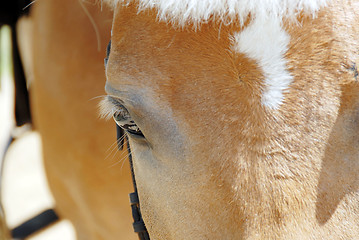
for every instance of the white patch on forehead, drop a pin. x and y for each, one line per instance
(263, 40)
(198, 11)
(266, 42)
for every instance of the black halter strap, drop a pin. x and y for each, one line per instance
(138, 224)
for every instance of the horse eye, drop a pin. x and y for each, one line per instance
(124, 121)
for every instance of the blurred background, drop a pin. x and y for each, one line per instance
(24, 191)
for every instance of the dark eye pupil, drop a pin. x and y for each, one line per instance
(133, 129)
(127, 124)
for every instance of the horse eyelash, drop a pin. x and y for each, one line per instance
(110, 107)
(107, 108)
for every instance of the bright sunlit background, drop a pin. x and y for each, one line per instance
(24, 192)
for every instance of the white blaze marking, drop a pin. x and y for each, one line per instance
(266, 42)
(263, 40)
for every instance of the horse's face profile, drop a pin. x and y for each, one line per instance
(247, 127)
(186, 106)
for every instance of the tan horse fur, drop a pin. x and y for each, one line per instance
(229, 152)
(216, 162)
(88, 181)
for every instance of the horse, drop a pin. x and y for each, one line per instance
(62, 46)
(244, 116)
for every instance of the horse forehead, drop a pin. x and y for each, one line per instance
(153, 51)
(182, 12)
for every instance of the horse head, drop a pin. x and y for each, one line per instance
(246, 116)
